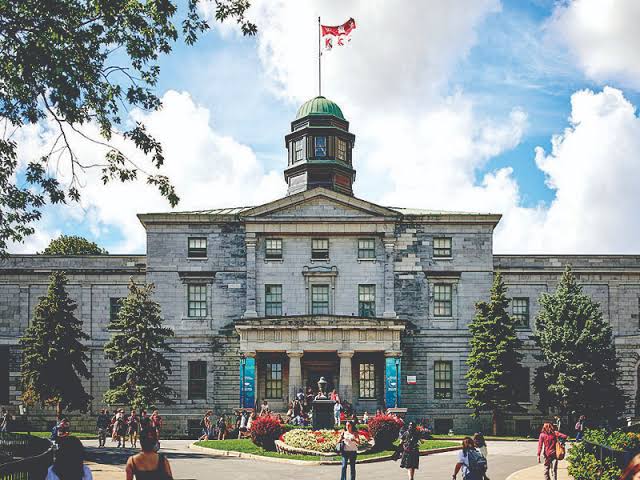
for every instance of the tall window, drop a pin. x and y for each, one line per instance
(319, 299)
(273, 300)
(298, 150)
(197, 294)
(273, 381)
(367, 383)
(320, 249)
(442, 300)
(320, 144)
(273, 248)
(443, 380)
(442, 247)
(520, 307)
(523, 385)
(4, 375)
(366, 248)
(367, 300)
(197, 380)
(197, 247)
(114, 307)
(341, 150)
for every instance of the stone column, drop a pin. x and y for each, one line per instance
(389, 299)
(295, 373)
(250, 310)
(346, 379)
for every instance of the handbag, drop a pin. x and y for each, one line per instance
(340, 447)
(560, 450)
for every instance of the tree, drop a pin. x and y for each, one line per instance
(137, 348)
(73, 245)
(76, 62)
(580, 367)
(494, 361)
(53, 355)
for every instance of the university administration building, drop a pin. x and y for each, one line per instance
(265, 300)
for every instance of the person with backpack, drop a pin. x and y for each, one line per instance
(580, 428)
(205, 425)
(470, 461)
(549, 445)
(222, 428)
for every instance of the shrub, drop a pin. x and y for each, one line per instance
(385, 429)
(585, 466)
(265, 431)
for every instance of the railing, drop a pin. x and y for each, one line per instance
(31, 457)
(602, 452)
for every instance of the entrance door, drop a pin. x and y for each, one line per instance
(320, 364)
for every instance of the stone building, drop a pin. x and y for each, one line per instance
(265, 300)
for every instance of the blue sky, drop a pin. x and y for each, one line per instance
(502, 73)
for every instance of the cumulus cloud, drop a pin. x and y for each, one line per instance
(604, 36)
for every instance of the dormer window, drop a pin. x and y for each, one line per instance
(341, 150)
(298, 154)
(320, 146)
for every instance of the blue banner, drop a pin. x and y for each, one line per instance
(248, 383)
(391, 382)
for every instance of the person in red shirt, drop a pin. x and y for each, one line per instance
(547, 446)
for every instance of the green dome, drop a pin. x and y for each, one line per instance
(319, 106)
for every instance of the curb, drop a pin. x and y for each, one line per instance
(290, 461)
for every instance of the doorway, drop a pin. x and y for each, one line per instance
(320, 364)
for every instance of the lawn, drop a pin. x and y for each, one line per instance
(80, 435)
(247, 446)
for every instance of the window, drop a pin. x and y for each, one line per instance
(114, 307)
(443, 380)
(520, 307)
(320, 144)
(273, 381)
(319, 299)
(4, 375)
(273, 300)
(197, 247)
(366, 248)
(441, 247)
(367, 300)
(341, 150)
(367, 384)
(298, 150)
(442, 300)
(197, 294)
(320, 249)
(273, 249)
(443, 426)
(197, 380)
(523, 385)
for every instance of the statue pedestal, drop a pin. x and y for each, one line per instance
(323, 414)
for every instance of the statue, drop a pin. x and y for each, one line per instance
(322, 385)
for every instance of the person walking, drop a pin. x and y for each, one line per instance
(349, 438)
(148, 464)
(337, 408)
(222, 428)
(410, 450)
(121, 428)
(69, 461)
(133, 426)
(481, 445)
(102, 424)
(580, 428)
(4, 421)
(547, 446)
(205, 424)
(470, 461)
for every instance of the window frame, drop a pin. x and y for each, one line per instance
(442, 251)
(371, 251)
(268, 249)
(519, 315)
(319, 254)
(324, 286)
(319, 148)
(367, 387)
(367, 308)
(298, 143)
(273, 387)
(272, 305)
(440, 392)
(197, 252)
(201, 392)
(115, 304)
(442, 303)
(197, 302)
(340, 142)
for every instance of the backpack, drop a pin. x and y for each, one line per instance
(54, 432)
(477, 463)
(202, 423)
(578, 426)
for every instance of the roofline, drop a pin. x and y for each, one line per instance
(109, 255)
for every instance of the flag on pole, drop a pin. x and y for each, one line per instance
(337, 36)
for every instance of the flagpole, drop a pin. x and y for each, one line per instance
(319, 62)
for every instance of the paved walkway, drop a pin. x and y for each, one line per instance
(537, 473)
(505, 458)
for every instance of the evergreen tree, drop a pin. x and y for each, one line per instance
(580, 365)
(53, 356)
(494, 361)
(137, 348)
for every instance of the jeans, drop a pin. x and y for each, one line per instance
(350, 459)
(579, 435)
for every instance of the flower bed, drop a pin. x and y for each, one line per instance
(315, 442)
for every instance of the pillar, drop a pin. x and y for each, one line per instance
(389, 288)
(346, 378)
(295, 373)
(250, 310)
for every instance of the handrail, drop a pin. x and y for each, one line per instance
(34, 465)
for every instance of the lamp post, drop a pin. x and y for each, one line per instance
(243, 363)
(397, 379)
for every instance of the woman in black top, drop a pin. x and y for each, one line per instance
(410, 443)
(148, 464)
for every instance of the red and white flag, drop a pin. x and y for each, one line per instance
(337, 36)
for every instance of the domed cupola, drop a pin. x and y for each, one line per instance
(319, 148)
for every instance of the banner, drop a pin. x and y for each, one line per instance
(248, 383)
(391, 382)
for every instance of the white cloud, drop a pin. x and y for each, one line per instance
(604, 37)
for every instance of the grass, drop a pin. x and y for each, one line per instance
(247, 446)
(80, 435)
